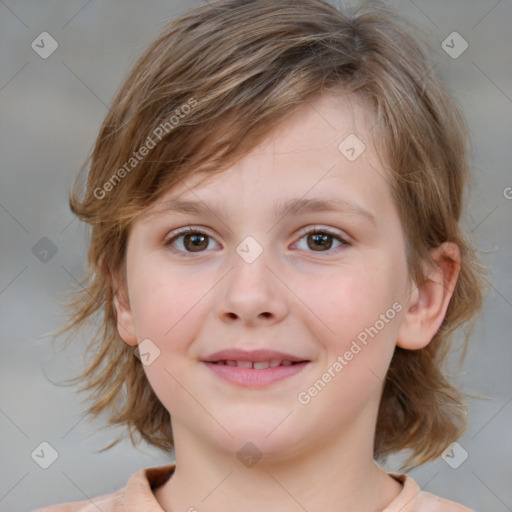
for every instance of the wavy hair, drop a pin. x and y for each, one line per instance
(205, 93)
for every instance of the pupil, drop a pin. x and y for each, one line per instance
(321, 239)
(196, 241)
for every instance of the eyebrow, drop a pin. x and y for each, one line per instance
(291, 206)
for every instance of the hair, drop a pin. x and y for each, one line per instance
(203, 95)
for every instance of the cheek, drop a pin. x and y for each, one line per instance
(162, 301)
(358, 355)
(362, 311)
(352, 301)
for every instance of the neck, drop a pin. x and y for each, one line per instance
(337, 474)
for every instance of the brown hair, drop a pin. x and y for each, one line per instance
(245, 66)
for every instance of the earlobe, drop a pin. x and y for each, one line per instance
(124, 316)
(428, 301)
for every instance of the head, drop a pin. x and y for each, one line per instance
(245, 105)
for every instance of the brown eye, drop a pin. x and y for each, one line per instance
(189, 241)
(195, 242)
(319, 241)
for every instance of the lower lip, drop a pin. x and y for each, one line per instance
(254, 378)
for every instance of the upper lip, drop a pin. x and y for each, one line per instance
(260, 355)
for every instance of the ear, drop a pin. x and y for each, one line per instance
(124, 316)
(429, 301)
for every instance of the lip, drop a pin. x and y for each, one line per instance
(236, 354)
(252, 377)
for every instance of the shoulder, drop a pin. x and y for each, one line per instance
(413, 499)
(138, 491)
(106, 503)
(428, 502)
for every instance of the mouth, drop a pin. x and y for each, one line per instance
(257, 365)
(254, 369)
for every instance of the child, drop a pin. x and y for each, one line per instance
(275, 198)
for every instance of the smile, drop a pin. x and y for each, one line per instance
(257, 365)
(255, 374)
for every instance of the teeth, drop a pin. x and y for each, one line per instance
(258, 365)
(261, 366)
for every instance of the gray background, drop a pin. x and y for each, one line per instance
(50, 112)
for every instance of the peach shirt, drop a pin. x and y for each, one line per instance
(137, 496)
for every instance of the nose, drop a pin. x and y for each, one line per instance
(252, 294)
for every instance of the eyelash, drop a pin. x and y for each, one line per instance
(303, 233)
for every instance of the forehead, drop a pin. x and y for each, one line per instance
(323, 149)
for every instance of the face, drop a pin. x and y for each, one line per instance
(324, 286)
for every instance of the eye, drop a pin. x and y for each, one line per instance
(189, 240)
(192, 240)
(321, 240)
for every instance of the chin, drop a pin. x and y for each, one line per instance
(262, 440)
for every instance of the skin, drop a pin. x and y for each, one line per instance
(292, 298)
